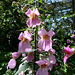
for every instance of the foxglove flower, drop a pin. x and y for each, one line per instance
(68, 51)
(24, 45)
(30, 56)
(15, 55)
(33, 18)
(11, 64)
(21, 73)
(43, 70)
(45, 42)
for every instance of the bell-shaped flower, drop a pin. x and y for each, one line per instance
(22, 73)
(30, 56)
(33, 18)
(68, 52)
(11, 64)
(15, 55)
(52, 61)
(45, 42)
(43, 70)
(24, 45)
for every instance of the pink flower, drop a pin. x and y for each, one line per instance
(21, 73)
(68, 41)
(43, 70)
(65, 58)
(30, 56)
(45, 42)
(73, 36)
(33, 18)
(68, 51)
(52, 61)
(15, 55)
(11, 64)
(24, 45)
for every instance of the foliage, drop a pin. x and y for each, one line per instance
(13, 21)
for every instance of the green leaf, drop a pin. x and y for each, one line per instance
(22, 67)
(40, 1)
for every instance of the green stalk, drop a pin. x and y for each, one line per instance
(35, 39)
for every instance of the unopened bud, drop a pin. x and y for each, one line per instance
(15, 55)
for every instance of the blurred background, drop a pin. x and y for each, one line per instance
(58, 15)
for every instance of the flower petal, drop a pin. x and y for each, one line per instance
(44, 44)
(50, 67)
(36, 12)
(21, 47)
(15, 55)
(28, 47)
(42, 72)
(65, 58)
(27, 35)
(41, 62)
(28, 22)
(28, 13)
(20, 36)
(51, 33)
(52, 50)
(36, 22)
(42, 32)
(30, 58)
(11, 64)
(24, 47)
(52, 59)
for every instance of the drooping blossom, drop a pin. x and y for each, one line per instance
(33, 18)
(43, 70)
(15, 55)
(24, 45)
(68, 51)
(73, 36)
(11, 64)
(52, 61)
(30, 56)
(45, 42)
(22, 73)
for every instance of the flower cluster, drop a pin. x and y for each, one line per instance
(44, 44)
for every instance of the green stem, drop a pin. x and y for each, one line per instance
(35, 39)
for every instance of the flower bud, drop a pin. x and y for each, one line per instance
(15, 55)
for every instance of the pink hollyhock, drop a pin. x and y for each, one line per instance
(45, 42)
(11, 64)
(21, 73)
(33, 18)
(24, 45)
(73, 36)
(30, 56)
(43, 70)
(15, 55)
(52, 61)
(68, 51)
